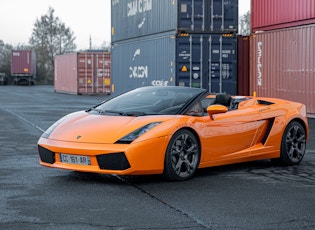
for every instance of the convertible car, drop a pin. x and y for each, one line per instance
(174, 131)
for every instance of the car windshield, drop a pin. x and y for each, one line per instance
(149, 101)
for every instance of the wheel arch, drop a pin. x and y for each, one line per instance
(168, 170)
(196, 135)
(303, 123)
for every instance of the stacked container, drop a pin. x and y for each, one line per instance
(283, 55)
(83, 73)
(176, 42)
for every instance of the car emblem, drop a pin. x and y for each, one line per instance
(78, 137)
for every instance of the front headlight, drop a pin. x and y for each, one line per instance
(137, 133)
(47, 133)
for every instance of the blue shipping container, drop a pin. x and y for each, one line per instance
(169, 59)
(208, 61)
(136, 18)
(142, 62)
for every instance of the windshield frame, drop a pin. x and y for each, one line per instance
(150, 100)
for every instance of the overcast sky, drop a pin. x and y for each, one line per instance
(84, 18)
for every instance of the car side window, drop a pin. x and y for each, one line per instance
(196, 110)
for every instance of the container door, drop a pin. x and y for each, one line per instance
(223, 16)
(190, 60)
(191, 16)
(102, 73)
(85, 73)
(222, 64)
(207, 61)
(210, 16)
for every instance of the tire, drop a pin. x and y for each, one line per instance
(293, 144)
(182, 156)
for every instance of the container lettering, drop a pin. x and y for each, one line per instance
(139, 71)
(259, 64)
(159, 83)
(138, 6)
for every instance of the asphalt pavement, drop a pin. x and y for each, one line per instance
(255, 195)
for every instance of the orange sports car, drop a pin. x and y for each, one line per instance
(174, 131)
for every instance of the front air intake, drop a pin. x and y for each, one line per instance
(113, 161)
(46, 156)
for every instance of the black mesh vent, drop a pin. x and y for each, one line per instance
(113, 161)
(46, 155)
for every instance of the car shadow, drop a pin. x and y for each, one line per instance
(143, 179)
(239, 168)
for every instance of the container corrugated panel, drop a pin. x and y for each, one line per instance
(283, 65)
(207, 61)
(169, 59)
(66, 73)
(279, 14)
(23, 62)
(83, 73)
(243, 65)
(144, 61)
(136, 18)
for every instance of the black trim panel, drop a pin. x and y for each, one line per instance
(270, 124)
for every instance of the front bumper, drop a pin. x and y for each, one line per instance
(146, 157)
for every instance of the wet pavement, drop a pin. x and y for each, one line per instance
(255, 195)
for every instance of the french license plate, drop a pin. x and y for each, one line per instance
(75, 159)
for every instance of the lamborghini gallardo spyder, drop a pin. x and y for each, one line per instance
(174, 131)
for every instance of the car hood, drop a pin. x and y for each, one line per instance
(87, 128)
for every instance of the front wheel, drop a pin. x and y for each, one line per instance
(182, 156)
(293, 144)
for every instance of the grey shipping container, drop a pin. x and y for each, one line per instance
(198, 60)
(136, 18)
(23, 66)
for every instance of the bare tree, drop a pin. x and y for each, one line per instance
(5, 57)
(244, 24)
(50, 37)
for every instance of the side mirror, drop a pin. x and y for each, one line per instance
(216, 109)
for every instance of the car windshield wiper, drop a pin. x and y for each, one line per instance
(100, 111)
(129, 113)
(134, 114)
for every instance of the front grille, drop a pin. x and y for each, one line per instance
(113, 161)
(46, 155)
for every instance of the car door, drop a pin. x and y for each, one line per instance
(232, 134)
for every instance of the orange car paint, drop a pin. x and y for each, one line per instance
(225, 137)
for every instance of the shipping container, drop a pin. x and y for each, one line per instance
(282, 65)
(137, 18)
(207, 61)
(23, 66)
(198, 60)
(243, 65)
(83, 73)
(279, 14)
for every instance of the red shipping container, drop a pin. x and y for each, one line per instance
(83, 73)
(23, 62)
(23, 66)
(282, 65)
(243, 65)
(279, 14)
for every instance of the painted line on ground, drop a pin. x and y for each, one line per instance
(23, 119)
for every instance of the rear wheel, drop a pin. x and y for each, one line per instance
(293, 144)
(182, 156)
